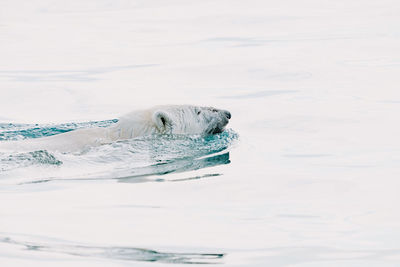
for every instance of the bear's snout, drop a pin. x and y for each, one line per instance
(227, 114)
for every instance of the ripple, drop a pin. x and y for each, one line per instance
(84, 75)
(114, 252)
(10, 131)
(39, 157)
(137, 160)
(260, 94)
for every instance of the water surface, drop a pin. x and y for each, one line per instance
(306, 174)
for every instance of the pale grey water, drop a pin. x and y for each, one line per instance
(306, 175)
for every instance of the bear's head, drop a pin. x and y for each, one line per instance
(190, 119)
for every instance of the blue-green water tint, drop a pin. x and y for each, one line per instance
(18, 160)
(313, 91)
(133, 160)
(10, 131)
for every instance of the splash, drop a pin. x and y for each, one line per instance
(134, 160)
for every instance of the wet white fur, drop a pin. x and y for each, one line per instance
(168, 119)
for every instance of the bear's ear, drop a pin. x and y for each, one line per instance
(162, 120)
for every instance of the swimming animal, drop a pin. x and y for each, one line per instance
(168, 119)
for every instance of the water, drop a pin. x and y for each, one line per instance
(306, 174)
(134, 160)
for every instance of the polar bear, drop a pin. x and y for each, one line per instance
(168, 119)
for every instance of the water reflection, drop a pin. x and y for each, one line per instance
(152, 173)
(114, 252)
(177, 166)
(142, 159)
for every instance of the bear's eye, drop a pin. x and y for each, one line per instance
(198, 112)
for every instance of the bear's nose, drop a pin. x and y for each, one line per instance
(227, 114)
